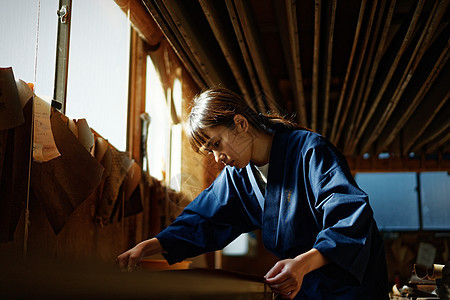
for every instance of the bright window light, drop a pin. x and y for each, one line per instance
(159, 131)
(175, 146)
(238, 247)
(18, 38)
(98, 76)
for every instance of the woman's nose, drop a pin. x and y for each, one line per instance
(219, 157)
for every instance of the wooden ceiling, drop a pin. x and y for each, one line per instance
(372, 76)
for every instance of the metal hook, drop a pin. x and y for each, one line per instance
(63, 12)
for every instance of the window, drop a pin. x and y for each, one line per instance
(158, 132)
(21, 41)
(97, 84)
(435, 198)
(407, 200)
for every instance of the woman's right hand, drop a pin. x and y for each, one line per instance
(129, 260)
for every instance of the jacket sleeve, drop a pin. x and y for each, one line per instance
(210, 222)
(347, 218)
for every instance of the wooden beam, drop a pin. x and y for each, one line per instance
(355, 77)
(334, 129)
(409, 106)
(368, 141)
(329, 55)
(356, 135)
(201, 47)
(397, 164)
(229, 46)
(359, 107)
(136, 103)
(440, 125)
(315, 71)
(291, 12)
(141, 20)
(425, 114)
(258, 54)
(439, 141)
(160, 15)
(232, 11)
(422, 46)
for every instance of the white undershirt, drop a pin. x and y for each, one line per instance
(263, 171)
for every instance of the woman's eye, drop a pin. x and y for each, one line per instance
(216, 144)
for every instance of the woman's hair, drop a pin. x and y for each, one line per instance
(218, 106)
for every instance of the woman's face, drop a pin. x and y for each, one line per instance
(231, 147)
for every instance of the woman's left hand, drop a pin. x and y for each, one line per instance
(285, 278)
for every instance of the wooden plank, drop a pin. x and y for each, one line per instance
(358, 108)
(227, 43)
(291, 12)
(315, 71)
(232, 11)
(368, 141)
(425, 40)
(329, 55)
(347, 73)
(355, 137)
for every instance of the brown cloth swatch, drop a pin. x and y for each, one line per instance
(119, 168)
(63, 183)
(10, 109)
(129, 201)
(14, 158)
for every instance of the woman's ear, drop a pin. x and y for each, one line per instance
(241, 122)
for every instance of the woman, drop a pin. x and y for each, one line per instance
(291, 183)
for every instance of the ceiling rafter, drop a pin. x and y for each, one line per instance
(440, 125)
(229, 47)
(343, 91)
(425, 114)
(159, 14)
(366, 80)
(356, 76)
(369, 75)
(408, 108)
(299, 92)
(355, 135)
(315, 71)
(328, 64)
(419, 51)
(369, 139)
(232, 11)
(258, 56)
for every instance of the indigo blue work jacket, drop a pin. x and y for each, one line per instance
(311, 201)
